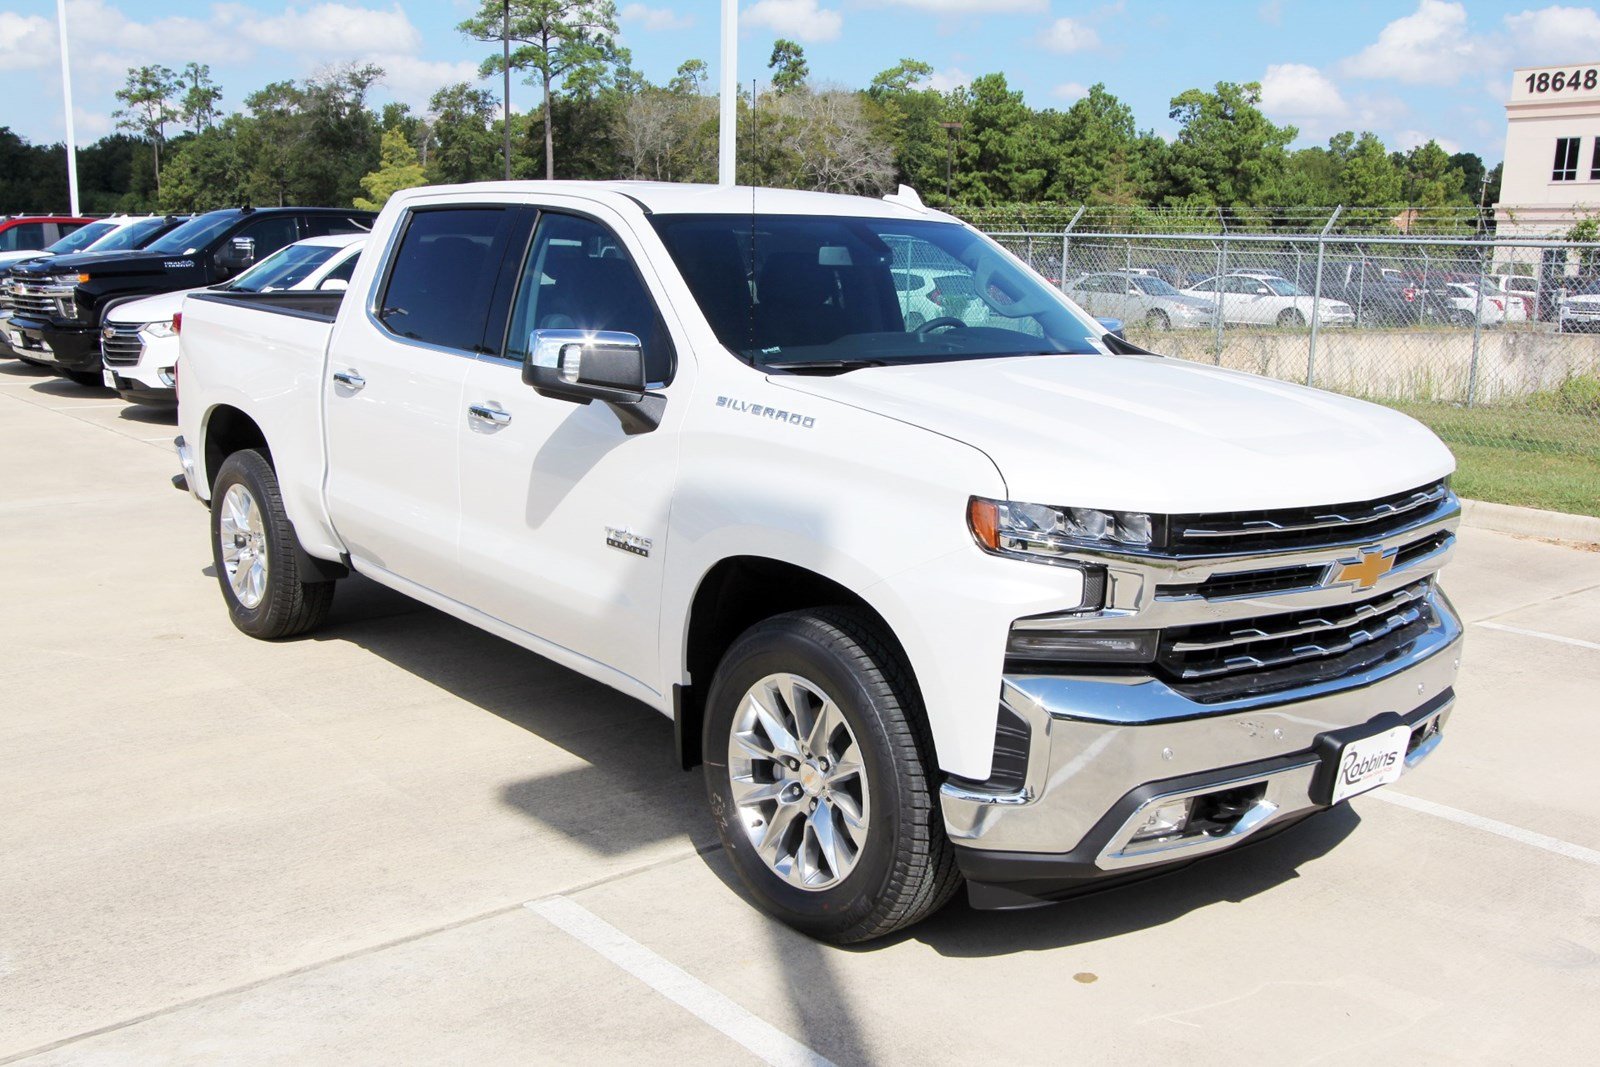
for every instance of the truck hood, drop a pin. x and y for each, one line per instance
(111, 264)
(1146, 433)
(158, 308)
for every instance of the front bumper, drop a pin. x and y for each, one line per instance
(1106, 752)
(66, 348)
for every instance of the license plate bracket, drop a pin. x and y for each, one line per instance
(1360, 758)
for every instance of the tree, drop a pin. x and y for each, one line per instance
(197, 107)
(466, 143)
(904, 77)
(559, 40)
(399, 169)
(788, 66)
(691, 78)
(148, 98)
(1430, 178)
(1095, 151)
(1226, 152)
(206, 172)
(1368, 177)
(1000, 155)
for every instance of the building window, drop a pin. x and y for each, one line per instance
(1594, 162)
(1566, 168)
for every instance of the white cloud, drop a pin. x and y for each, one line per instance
(90, 125)
(412, 80)
(1553, 35)
(654, 19)
(1293, 92)
(1068, 35)
(1406, 140)
(1430, 46)
(335, 29)
(975, 7)
(945, 80)
(802, 20)
(26, 41)
(1070, 91)
(96, 28)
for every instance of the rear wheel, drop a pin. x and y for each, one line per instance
(818, 773)
(1157, 320)
(253, 550)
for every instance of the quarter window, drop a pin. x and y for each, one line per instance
(579, 277)
(443, 276)
(1566, 165)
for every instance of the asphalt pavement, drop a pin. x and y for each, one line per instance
(403, 840)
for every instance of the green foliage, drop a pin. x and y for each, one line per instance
(400, 168)
(569, 44)
(1226, 152)
(788, 66)
(467, 136)
(1369, 177)
(197, 107)
(147, 108)
(207, 172)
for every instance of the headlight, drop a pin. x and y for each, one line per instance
(1047, 534)
(70, 281)
(162, 328)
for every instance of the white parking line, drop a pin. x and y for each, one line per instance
(1578, 642)
(679, 986)
(1502, 829)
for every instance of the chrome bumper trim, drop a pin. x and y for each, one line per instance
(1096, 740)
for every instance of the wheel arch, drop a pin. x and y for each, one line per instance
(227, 430)
(734, 594)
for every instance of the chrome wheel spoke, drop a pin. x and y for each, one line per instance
(241, 542)
(796, 777)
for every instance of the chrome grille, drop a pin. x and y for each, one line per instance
(40, 301)
(1235, 533)
(121, 346)
(1253, 653)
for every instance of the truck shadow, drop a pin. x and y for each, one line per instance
(150, 414)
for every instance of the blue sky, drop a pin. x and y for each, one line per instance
(1408, 69)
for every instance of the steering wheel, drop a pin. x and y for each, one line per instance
(941, 321)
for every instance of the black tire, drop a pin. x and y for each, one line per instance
(289, 606)
(1458, 317)
(1157, 320)
(90, 378)
(906, 868)
(1290, 319)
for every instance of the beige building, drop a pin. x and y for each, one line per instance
(1552, 162)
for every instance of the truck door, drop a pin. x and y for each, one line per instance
(563, 515)
(393, 392)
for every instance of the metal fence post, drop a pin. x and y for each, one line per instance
(1066, 247)
(1316, 297)
(1222, 268)
(1477, 329)
(1422, 290)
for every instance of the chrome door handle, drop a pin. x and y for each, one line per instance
(484, 413)
(349, 379)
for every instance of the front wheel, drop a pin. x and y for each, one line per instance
(1157, 320)
(818, 773)
(253, 550)
(1289, 318)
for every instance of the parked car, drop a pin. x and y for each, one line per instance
(1261, 299)
(22, 233)
(696, 452)
(928, 295)
(1579, 310)
(139, 341)
(58, 303)
(1524, 287)
(1140, 298)
(104, 235)
(1468, 306)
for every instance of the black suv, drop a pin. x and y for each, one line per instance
(58, 303)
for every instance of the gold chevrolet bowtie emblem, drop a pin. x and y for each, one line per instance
(1364, 571)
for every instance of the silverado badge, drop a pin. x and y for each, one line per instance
(1364, 571)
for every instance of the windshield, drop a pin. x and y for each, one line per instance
(822, 291)
(1156, 287)
(195, 234)
(130, 236)
(82, 238)
(1283, 288)
(284, 269)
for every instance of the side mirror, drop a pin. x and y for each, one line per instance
(237, 254)
(584, 365)
(1113, 327)
(1263, 291)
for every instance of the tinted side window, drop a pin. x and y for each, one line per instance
(23, 237)
(270, 234)
(579, 277)
(344, 271)
(443, 276)
(323, 225)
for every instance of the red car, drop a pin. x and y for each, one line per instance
(22, 233)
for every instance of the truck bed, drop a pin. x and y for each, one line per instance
(322, 306)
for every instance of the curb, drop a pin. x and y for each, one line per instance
(1530, 522)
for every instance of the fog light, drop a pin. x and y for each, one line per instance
(1164, 820)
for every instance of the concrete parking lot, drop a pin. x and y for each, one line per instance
(406, 841)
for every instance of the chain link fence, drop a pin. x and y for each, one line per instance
(1492, 341)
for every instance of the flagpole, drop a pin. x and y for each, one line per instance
(66, 93)
(728, 123)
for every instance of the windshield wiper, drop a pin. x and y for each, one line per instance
(840, 365)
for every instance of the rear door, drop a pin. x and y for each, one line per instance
(393, 392)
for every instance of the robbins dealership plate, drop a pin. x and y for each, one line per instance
(1370, 762)
(109, 378)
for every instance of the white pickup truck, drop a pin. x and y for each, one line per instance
(1006, 601)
